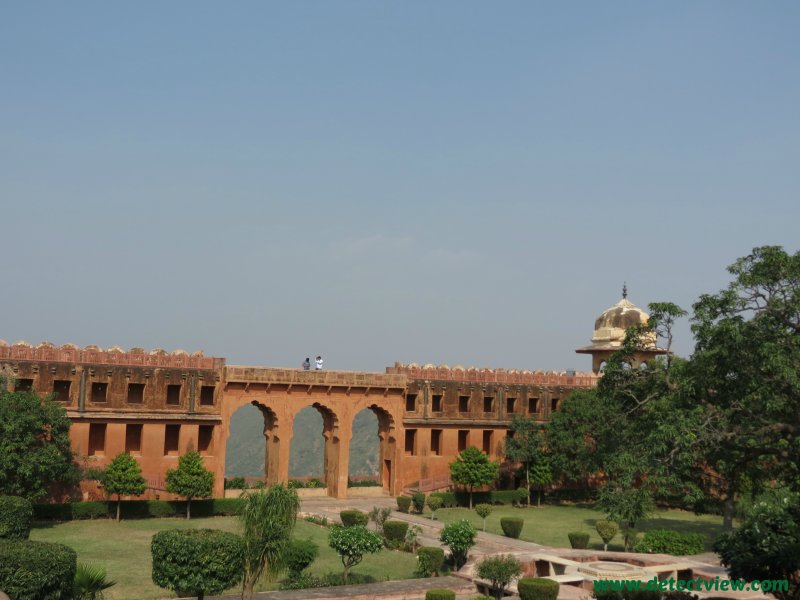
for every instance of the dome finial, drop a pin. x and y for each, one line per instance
(624, 289)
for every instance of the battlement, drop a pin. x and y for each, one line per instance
(135, 357)
(360, 379)
(486, 375)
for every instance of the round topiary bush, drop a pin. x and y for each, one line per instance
(579, 540)
(440, 594)
(403, 504)
(197, 561)
(418, 500)
(512, 526)
(395, 532)
(353, 517)
(37, 569)
(535, 588)
(299, 555)
(430, 560)
(15, 518)
(606, 529)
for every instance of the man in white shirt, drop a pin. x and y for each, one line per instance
(319, 363)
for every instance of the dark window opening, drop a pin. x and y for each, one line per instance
(174, 394)
(98, 393)
(133, 438)
(488, 402)
(411, 402)
(553, 404)
(172, 436)
(61, 390)
(463, 438)
(436, 442)
(207, 395)
(204, 438)
(533, 406)
(487, 442)
(510, 402)
(463, 404)
(437, 403)
(97, 439)
(411, 442)
(135, 393)
(23, 385)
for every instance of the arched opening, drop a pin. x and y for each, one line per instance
(372, 447)
(252, 447)
(313, 455)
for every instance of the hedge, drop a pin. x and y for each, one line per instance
(535, 588)
(664, 541)
(440, 594)
(430, 561)
(418, 500)
(136, 509)
(37, 570)
(511, 526)
(353, 517)
(453, 499)
(579, 540)
(403, 503)
(299, 555)
(15, 518)
(395, 531)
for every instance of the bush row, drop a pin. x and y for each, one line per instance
(664, 541)
(453, 499)
(136, 509)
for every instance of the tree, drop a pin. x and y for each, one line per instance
(267, 519)
(434, 503)
(459, 536)
(190, 480)
(35, 451)
(541, 476)
(473, 468)
(745, 369)
(525, 445)
(483, 510)
(500, 571)
(197, 561)
(607, 530)
(123, 477)
(352, 543)
(767, 544)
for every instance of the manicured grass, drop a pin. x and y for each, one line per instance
(124, 550)
(550, 525)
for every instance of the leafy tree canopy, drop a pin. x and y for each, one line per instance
(191, 479)
(473, 468)
(123, 477)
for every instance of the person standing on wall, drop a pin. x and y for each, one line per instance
(307, 364)
(319, 363)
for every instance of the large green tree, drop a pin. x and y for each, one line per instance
(352, 543)
(472, 468)
(525, 445)
(190, 480)
(747, 380)
(35, 449)
(123, 477)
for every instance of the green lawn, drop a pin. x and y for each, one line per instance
(124, 550)
(550, 525)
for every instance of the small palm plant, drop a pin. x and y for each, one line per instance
(90, 582)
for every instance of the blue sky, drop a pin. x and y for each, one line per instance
(450, 182)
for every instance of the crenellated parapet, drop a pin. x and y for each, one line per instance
(135, 357)
(357, 379)
(499, 376)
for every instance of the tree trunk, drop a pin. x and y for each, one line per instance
(728, 511)
(484, 523)
(119, 501)
(539, 494)
(247, 588)
(470, 497)
(201, 595)
(528, 483)
(188, 508)
(605, 547)
(344, 575)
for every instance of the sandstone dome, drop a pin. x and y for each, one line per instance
(610, 327)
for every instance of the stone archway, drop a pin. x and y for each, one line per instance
(332, 447)
(272, 450)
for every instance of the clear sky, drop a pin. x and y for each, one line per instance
(449, 182)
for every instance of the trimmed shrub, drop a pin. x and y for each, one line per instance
(511, 526)
(37, 569)
(664, 541)
(418, 500)
(453, 499)
(137, 509)
(430, 561)
(197, 561)
(353, 517)
(403, 504)
(395, 533)
(299, 555)
(16, 514)
(523, 495)
(90, 510)
(220, 506)
(483, 510)
(607, 530)
(535, 588)
(235, 483)
(52, 512)
(440, 594)
(579, 540)
(434, 503)
(459, 536)
(448, 499)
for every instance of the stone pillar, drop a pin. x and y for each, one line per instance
(337, 463)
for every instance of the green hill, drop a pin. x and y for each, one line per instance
(245, 451)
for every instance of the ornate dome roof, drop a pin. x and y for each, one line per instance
(612, 324)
